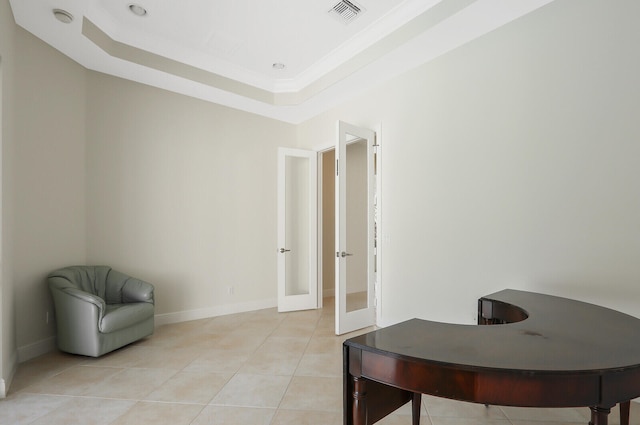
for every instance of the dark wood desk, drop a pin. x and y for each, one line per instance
(541, 351)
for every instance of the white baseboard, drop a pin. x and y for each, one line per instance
(221, 310)
(36, 349)
(44, 346)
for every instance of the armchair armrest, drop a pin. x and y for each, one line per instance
(64, 287)
(86, 297)
(136, 290)
(76, 308)
(123, 289)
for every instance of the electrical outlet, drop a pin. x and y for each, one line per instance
(230, 290)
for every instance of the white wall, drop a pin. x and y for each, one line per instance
(511, 162)
(48, 181)
(182, 193)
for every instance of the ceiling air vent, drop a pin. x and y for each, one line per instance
(346, 11)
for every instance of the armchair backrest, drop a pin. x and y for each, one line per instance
(104, 282)
(91, 279)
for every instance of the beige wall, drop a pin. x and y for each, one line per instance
(511, 162)
(8, 352)
(43, 193)
(183, 193)
(48, 178)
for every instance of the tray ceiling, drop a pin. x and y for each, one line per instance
(285, 59)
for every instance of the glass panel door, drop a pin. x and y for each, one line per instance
(297, 229)
(355, 231)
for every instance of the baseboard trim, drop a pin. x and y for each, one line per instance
(221, 310)
(36, 349)
(44, 346)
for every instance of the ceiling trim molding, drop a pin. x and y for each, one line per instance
(423, 22)
(141, 57)
(433, 31)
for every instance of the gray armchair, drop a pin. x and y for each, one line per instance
(99, 309)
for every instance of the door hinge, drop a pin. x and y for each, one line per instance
(337, 168)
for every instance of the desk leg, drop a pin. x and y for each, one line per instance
(359, 401)
(624, 412)
(416, 401)
(599, 415)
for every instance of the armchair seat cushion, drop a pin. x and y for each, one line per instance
(99, 309)
(120, 316)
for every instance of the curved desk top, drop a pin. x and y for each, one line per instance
(538, 350)
(558, 334)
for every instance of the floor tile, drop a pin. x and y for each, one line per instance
(313, 393)
(42, 367)
(468, 421)
(271, 363)
(86, 411)
(190, 387)
(223, 415)
(143, 413)
(326, 365)
(306, 417)
(74, 381)
(442, 407)
(24, 408)
(218, 361)
(252, 391)
(133, 384)
(548, 414)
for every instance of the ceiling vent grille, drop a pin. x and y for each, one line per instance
(346, 11)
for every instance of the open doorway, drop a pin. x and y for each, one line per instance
(327, 231)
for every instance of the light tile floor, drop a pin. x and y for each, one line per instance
(252, 368)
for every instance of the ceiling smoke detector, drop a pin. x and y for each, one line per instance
(346, 11)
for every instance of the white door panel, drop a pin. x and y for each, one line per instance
(297, 230)
(355, 228)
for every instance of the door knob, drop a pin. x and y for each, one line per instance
(345, 254)
(282, 250)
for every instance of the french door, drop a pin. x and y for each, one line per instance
(297, 229)
(355, 228)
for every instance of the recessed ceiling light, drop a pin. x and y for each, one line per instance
(63, 16)
(278, 65)
(136, 9)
